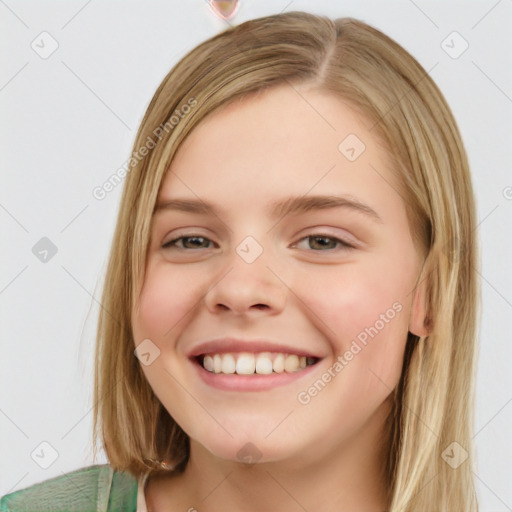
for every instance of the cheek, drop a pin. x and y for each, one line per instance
(353, 298)
(364, 309)
(366, 313)
(165, 301)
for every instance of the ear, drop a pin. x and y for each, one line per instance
(419, 321)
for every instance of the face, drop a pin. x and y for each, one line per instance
(250, 284)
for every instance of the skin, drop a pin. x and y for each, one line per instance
(327, 454)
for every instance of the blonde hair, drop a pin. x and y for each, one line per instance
(433, 402)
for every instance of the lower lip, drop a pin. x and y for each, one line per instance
(255, 382)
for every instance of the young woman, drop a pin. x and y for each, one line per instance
(290, 307)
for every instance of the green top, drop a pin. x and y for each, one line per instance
(95, 488)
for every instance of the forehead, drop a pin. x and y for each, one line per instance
(287, 140)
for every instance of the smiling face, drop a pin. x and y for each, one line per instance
(327, 280)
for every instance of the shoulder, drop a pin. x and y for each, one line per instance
(90, 489)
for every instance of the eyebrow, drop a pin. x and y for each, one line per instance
(278, 209)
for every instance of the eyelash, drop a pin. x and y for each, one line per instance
(171, 244)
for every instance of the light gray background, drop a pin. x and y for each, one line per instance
(68, 122)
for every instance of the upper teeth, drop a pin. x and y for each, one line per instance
(245, 363)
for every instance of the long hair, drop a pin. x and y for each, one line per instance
(430, 453)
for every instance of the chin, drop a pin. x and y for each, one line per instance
(249, 450)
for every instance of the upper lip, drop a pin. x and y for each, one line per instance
(224, 345)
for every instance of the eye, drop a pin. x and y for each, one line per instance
(322, 242)
(317, 242)
(195, 242)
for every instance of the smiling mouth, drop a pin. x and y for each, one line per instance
(246, 363)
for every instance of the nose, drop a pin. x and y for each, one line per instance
(247, 287)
